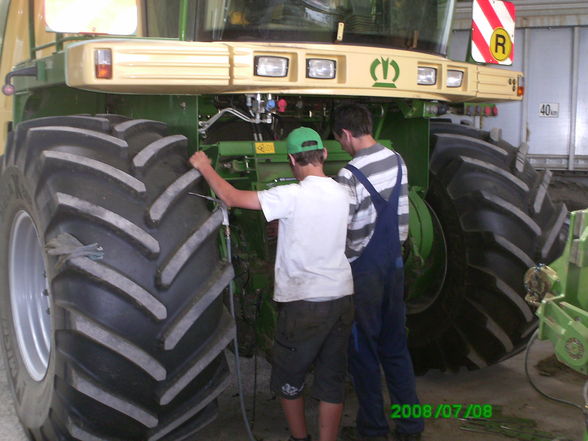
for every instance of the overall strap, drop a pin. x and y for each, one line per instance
(366, 183)
(398, 176)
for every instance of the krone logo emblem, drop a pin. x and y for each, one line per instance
(382, 74)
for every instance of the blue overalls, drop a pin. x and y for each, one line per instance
(379, 333)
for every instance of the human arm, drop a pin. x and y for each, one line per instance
(348, 181)
(231, 196)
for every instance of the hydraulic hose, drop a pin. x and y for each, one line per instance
(559, 400)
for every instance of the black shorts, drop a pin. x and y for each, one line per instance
(312, 333)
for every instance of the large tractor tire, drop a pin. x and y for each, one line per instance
(113, 324)
(497, 220)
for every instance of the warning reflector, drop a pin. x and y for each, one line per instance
(493, 31)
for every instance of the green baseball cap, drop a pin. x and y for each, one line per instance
(303, 139)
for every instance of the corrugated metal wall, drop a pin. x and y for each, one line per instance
(551, 48)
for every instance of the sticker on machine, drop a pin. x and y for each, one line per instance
(493, 31)
(264, 148)
(549, 110)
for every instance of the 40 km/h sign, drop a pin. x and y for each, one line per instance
(493, 25)
(549, 110)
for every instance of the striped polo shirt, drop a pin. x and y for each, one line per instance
(380, 166)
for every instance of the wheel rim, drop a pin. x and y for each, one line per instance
(29, 296)
(427, 286)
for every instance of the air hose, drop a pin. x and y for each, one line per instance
(584, 409)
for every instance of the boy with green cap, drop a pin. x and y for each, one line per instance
(313, 281)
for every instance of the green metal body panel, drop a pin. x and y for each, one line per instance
(269, 168)
(40, 103)
(180, 112)
(572, 266)
(50, 72)
(411, 138)
(563, 312)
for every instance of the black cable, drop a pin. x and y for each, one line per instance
(257, 308)
(559, 400)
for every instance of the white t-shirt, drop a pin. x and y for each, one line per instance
(310, 259)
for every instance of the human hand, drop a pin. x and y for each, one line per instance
(199, 159)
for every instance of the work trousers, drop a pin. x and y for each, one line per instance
(379, 338)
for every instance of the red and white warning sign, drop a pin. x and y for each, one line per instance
(493, 31)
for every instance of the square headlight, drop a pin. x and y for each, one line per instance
(321, 68)
(271, 66)
(427, 76)
(454, 78)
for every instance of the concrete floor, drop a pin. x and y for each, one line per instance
(500, 385)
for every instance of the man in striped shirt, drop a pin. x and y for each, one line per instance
(378, 224)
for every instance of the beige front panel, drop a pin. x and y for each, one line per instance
(150, 66)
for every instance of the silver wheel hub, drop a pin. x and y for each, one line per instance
(29, 295)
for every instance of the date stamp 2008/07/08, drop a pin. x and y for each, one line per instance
(441, 411)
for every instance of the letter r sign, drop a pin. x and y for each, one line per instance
(493, 27)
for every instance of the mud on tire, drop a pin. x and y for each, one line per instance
(132, 345)
(498, 221)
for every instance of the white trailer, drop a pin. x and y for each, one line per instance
(551, 48)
